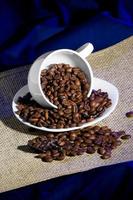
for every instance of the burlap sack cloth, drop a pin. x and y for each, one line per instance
(18, 167)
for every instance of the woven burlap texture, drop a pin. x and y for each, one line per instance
(18, 167)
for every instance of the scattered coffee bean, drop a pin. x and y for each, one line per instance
(129, 114)
(47, 159)
(125, 137)
(105, 156)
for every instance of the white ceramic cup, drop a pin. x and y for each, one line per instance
(67, 56)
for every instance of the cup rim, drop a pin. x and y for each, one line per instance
(64, 50)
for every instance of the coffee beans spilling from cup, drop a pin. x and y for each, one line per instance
(63, 84)
(66, 87)
(88, 140)
(69, 115)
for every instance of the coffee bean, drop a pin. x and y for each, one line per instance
(91, 132)
(86, 134)
(88, 141)
(105, 156)
(47, 159)
(77, 143)
(61, 156)
(90, 150)
(82, 145)
(80, 152)
(50, 135)
(73, 136)
(129, 114)
(61, 113)
(101, 151)
(72, 153)
(125, 137)
(61, 143)
(46, 114)
(32, 120)
(96, 128)
(41, 155)
(92, 137)
(108, 104)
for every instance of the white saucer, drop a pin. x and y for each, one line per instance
(97, 84)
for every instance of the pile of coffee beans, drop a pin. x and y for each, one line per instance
(62, 83)
(68, 114)
(88, 140)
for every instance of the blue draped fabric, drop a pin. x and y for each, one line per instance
(105, 183)
(31, 27)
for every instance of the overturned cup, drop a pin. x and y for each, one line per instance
(66, 56)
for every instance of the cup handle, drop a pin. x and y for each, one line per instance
(85, 50)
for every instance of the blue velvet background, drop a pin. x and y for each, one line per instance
(32, 27)
(105, 183)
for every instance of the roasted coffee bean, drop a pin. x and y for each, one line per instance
(50, 135)
(72, 153)
(47, 159)
(92, 137)
(55, 153)
(91, 132)
(125, 137)
(61, 156)
(129, 114)
(87, 134)
(96, 128)
(82, 145)
(90, 150)
(41, 155)
(77, 143)
(80, 152)
(88, 141)
(73, 136)
(98, 141)
(106, 156)
(61, 113)
(61, 143)
(114, 146)
(46, 114)
(101, 151)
